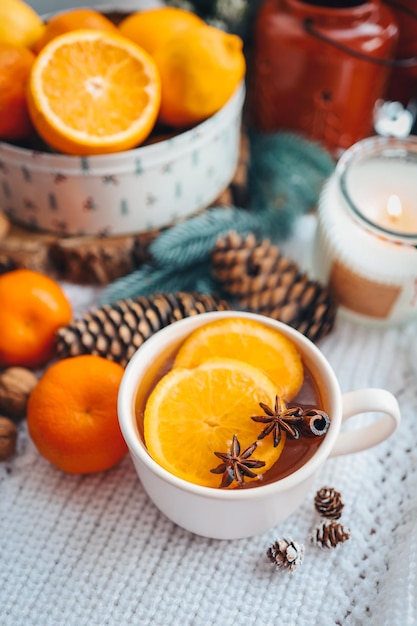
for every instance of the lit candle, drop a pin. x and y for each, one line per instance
(379, 183)
(396, 217)
(365, 247)
(395, 210)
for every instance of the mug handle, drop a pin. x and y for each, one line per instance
(367, 401)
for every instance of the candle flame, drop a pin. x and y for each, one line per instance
(394, 207)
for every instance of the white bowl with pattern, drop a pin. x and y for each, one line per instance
(135, 191)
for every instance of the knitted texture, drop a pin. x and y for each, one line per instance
(94, 551)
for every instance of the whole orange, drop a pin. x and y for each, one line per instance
(72, 415)
(152, 28)
(32, 308)
(73, 19)
(15, 66)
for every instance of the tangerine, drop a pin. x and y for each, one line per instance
(33, 306)
(72, 415)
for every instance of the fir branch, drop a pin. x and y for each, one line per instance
(150, 279)
(293, 149)
(191, 241)
(285, 176)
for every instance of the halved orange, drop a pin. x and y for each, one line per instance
(93, 92)
(249, 341)
(191, 414)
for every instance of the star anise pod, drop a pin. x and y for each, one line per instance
(236, 465)
(294, 421)
(278, 419)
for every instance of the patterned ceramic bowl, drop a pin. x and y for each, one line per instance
(129, 192)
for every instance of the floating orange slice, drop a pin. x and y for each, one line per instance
(93, 92)
(252, 342)
(191, 414)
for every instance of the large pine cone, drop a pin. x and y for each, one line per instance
(258, 278)
(116, 331)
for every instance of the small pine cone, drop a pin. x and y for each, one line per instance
(329, 533)
(116, 331)
(258, 278)
(328, 503)
(286, 553)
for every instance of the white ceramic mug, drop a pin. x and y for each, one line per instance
(233, 514)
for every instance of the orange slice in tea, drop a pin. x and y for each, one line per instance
(191, 414)
(93, 92)
(249, 341)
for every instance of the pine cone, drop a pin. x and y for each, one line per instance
(329, 534)
(258, 278)
(116, 331)
(328, 503)
(286, 553)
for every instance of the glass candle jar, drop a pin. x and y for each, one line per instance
(365, 245)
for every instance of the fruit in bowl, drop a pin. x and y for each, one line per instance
(16, 62)
(93, 88)
(93, 92)
(20, 25)
(96, 156)
(154, 28)
(73, 19)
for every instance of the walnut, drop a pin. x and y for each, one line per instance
(8, 438)
(16, 384)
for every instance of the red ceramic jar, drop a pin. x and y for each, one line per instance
(402, 86)
(318, 68)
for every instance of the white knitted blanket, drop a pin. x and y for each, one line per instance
(94, 551)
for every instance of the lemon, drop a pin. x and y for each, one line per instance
(200, 68)
(20, 25)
